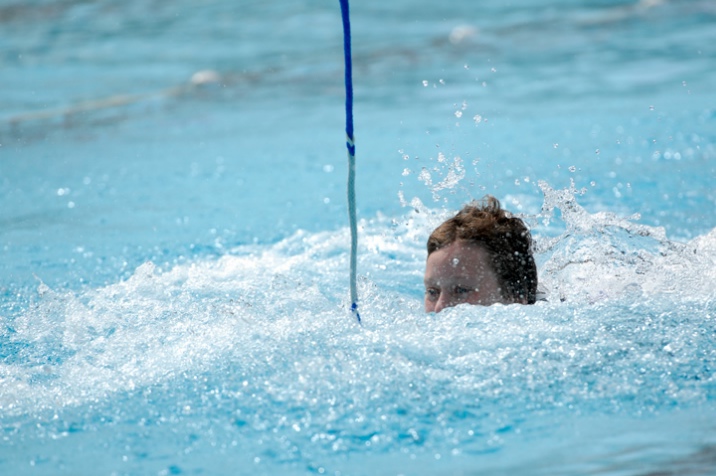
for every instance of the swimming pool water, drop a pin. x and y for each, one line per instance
(174, 273)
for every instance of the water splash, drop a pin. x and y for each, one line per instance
(455, 173)
(255, 347)
(602, 255)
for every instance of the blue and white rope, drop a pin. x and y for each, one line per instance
(350, 144)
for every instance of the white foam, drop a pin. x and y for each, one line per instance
(280, 313)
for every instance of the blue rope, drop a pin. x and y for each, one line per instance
(350, 144)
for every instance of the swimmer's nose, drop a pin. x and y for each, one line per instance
(443, 302)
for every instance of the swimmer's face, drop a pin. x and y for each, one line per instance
(460, 273)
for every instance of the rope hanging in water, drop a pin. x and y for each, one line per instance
(350, 144)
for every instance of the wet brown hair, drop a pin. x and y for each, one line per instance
(506, 239)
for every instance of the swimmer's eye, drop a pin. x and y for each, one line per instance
(432, 294)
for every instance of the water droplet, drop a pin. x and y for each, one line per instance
(555, 145)
(458, 114)
(406, 172)
(425, 83)
(477, 118)
(424, 177)
(572, 168)
(455, 261)
(596, 151)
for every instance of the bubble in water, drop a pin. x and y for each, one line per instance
(477, 118)
(406, 172)
(555, 145)
(458, 114)
(455, 261)
(425, 83)
(596, 151)
(572, 168)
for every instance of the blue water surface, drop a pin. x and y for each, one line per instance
(174, 237)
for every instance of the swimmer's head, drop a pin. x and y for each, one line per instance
(482, 255)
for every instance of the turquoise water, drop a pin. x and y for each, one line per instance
(174, 272)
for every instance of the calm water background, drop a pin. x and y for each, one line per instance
(173, 280)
